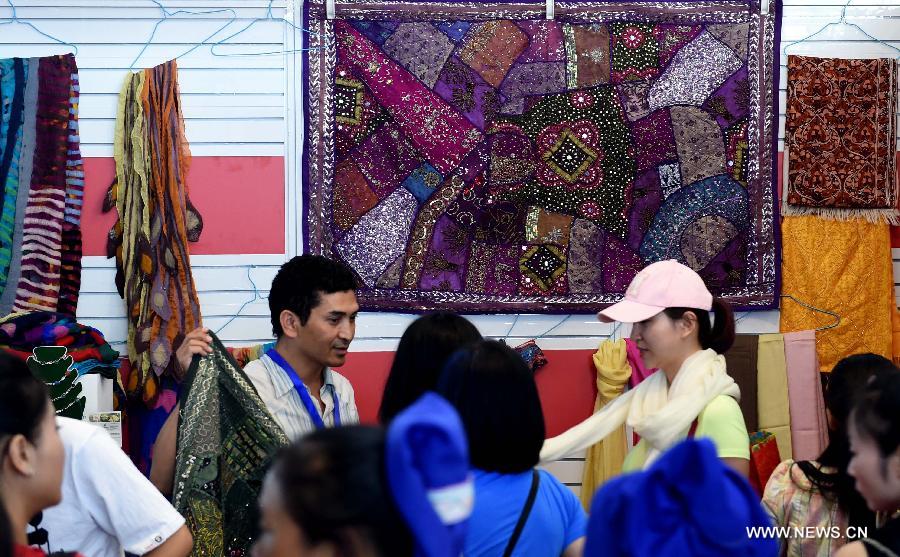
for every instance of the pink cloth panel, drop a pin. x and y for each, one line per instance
(809, 428)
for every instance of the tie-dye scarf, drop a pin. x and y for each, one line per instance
(479, 157)
(41, 185)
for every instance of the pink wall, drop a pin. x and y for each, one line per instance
(567, 385)
(241, 200)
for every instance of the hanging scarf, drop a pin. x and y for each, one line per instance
(604, 460)
(13, 79)
(156, 221)
(70, 271)
(40, 185)
(639, 371)
(226, 441)
(774, 406)
(809, 424)
(843, 267)
(246, 354)
(840, 139)
(11, 237)
(660, 413)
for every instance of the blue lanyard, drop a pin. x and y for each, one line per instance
(301, 389)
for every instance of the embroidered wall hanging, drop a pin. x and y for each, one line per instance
(840, 138)
(41, 185)
(156, 222)
(478, 157)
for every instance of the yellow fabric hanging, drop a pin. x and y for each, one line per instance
(844, 267)
(604, 460)
(772, 403)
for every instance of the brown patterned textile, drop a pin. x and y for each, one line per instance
(840, 136)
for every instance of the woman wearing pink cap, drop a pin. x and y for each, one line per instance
(690, 394)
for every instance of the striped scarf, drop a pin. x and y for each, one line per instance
(40, 170)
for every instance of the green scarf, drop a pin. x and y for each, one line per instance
(226, 440)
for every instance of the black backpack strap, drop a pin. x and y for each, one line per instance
(523, 518)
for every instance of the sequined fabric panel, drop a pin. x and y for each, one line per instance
(226, 441)
(479, 157)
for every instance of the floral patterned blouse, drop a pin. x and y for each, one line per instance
(794, 502)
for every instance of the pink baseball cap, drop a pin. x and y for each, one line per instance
(660, 285)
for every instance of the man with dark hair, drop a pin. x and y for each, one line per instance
(313, 309)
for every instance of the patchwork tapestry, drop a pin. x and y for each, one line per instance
(41, 185)
(156, 222)
(477, 156)
(840, 138)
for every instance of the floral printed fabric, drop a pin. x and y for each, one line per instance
(841, 137)
(792, 501)
(479, 157)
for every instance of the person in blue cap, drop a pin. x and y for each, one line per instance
(518, 510)
(361, 491)
(686, 503)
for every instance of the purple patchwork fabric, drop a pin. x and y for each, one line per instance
(478, 157)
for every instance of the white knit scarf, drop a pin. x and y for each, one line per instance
(660, 413)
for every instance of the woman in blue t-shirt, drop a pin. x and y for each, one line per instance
(495, 394)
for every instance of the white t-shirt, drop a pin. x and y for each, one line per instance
(107, 505)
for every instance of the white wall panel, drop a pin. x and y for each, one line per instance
(233, 105)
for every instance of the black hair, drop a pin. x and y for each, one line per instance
(718, 335)
(875, 414)
(299, 284)
(423, 350)
(23, 404)
(846, 383)
(497, 399)
(333, 482)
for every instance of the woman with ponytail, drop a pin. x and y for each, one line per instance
(683, 332)
(31, 455)
(820, 493)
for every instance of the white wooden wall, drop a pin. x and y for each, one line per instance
(245, 106)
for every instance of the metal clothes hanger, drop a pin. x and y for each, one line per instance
(841, 22)
(268, 17)
(15, 19)
(837, 318)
